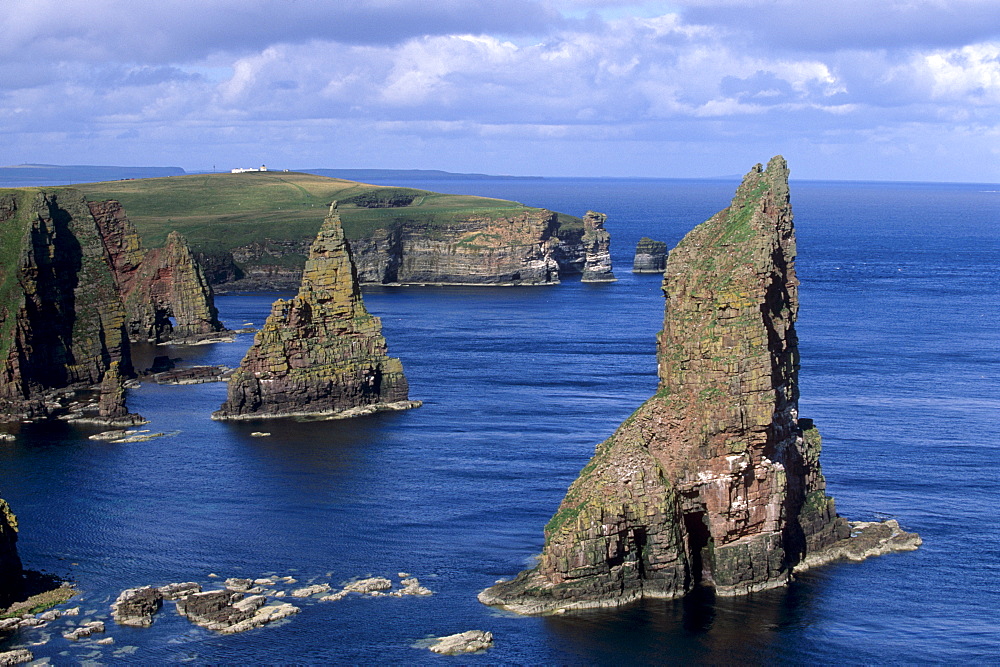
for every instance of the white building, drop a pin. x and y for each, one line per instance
(241, 170)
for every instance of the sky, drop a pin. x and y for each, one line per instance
(903, 90)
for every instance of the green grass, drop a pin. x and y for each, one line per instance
(11, 242)
(218, 212)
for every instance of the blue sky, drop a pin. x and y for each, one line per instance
(852, 89)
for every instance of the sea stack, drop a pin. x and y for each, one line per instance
(320, 353)
(650, 256)
(715, 480)
(156, 285)
(597, 245)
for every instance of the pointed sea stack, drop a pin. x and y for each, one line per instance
(650, 256)
(157, 285)
(320, 353)
(714, 480)
(597, 245)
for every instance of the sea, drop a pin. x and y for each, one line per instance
(900, 348)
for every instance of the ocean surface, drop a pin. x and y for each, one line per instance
(900, 345)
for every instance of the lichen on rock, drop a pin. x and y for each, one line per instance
(320, 353)
(714, 480)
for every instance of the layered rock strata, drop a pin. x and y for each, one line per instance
(320, 353)
(650, 256)
(62, 322)
(477, 250)
(714, 480)
(532, 247)
(111, 408)
(156, 285)
(597, 246)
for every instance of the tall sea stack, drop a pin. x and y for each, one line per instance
(715, 480)
(320, 353)
(597, 246)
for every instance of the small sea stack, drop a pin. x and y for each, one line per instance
(715, 481)
(320, 353)
(650, 256)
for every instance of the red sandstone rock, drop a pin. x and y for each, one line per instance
(714, 480)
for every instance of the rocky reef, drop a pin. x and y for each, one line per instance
(597, 248)
(320, 353)
(62, 322)
(11, 574)
(715, 480)
(156, 285)
(650, 256)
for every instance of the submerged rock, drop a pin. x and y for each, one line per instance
(650, 256)
(470, 641)
(715, 480)
(320, 353)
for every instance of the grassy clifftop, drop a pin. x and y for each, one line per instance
(217, 212)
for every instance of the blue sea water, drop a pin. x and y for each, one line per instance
(900, 300)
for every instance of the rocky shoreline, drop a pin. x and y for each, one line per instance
(238, 605)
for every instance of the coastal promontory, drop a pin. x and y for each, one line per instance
(321, 352)
(715, 481)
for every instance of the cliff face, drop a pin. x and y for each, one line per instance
(158, 284)
(62, 319)
(10, 563)
(715, 480)
(479, 250)
(597, 247)
(320, 353)
(650, 256)
(528, 248)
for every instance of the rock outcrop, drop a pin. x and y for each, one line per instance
(597, 246)
(714, 480)
(111, 408)
(650, 256)
(156, 285)
(320, 353)
(61, 319)
(11, 574)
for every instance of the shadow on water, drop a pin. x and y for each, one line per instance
(698, 628)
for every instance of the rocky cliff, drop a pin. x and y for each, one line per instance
(714, 480)
(531, 247)
(320, 353)
(156, 285)
(61, 319)
(597, 248)
(11, 576)
(650, 256)
(476, 250)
